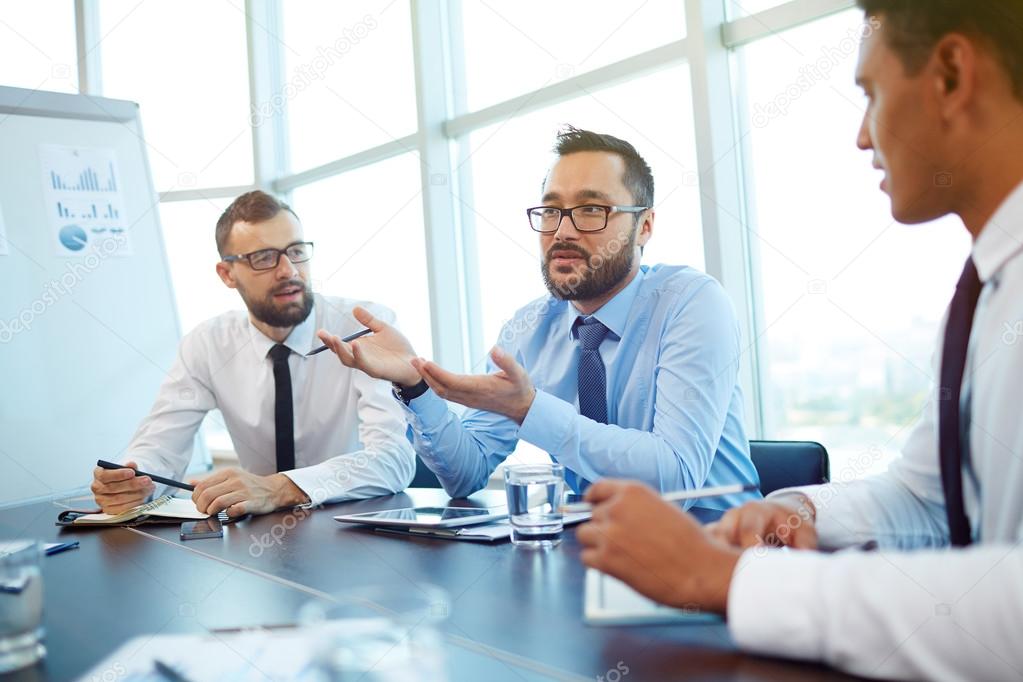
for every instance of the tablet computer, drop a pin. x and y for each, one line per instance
(427, 517)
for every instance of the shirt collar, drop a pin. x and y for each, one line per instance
(300, 339)
(615, 313)
(1002, 236)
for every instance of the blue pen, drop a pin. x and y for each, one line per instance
(58, 547)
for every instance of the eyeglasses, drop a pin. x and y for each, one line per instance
(585, 218)
(267, 259)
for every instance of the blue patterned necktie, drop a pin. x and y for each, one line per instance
(592, 383)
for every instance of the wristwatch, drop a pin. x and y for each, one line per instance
(407, 395)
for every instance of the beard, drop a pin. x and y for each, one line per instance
(268, 311)
(600, 275)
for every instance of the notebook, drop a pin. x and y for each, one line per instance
(166, 509)
(609, 601)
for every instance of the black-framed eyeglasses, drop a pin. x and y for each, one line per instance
(586, 218)
(267, 259)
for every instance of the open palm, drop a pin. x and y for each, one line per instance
(384, 355)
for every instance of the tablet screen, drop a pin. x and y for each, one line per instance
(426, 516)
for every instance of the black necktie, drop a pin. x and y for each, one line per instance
(592, 383)
(284, 416)
(953, 366)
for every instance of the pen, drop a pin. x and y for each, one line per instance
(159, 479)
(677, 496)
(58, 547)
(346, 340)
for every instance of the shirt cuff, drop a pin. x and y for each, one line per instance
(316, 482)
(548, 423)
(425, 411)
(775, 604)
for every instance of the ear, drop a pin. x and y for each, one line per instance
(646, 228)
(226, 275)
(954, 68)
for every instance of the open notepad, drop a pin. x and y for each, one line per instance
(609, 601)
(166, 509)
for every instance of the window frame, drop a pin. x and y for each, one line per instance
(444, 123)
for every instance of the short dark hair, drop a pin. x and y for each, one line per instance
(637, 178)
(913, 27)
(251, 207)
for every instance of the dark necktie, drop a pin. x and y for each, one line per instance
(953, 366)
(592, 385)
(284, 416)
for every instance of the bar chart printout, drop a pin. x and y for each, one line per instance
(84, 200)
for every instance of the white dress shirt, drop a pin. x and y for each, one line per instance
(350, 438)
(932, 613)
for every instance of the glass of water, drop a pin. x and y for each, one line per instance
(534, 503)
(378, 634)
(21, 605)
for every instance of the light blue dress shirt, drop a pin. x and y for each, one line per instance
(674, 405)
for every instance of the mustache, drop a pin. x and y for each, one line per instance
(289, 284)
(566, 247)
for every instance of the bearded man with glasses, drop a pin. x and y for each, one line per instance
(305, 430)
(624, 371)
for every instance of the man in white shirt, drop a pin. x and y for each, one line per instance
(944, 83)
(306, 429)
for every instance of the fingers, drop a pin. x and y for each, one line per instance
(367, 319)
(118, 507)
(446, 384)
(603, 490)
(752, 529)
(804, 537)
(506, 362)
(115, 504)
(341, 349)
(207, 489)
(432, 371)
(765, 523)
(113, 481)
(132, 485)
(112, 475)
(237, 509)
(225, 501)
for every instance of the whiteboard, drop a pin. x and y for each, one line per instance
(88, 323)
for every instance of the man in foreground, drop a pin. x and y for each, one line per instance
(944, 83)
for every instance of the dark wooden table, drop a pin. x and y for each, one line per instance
(515, 614)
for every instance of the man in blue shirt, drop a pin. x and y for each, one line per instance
(624, 371)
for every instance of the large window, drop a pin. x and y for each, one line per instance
(368, 228)
(840, 304)
(851, 299)
(190, 79)
(188, 228)
(514, 47)
(37, 46)
(349, 77)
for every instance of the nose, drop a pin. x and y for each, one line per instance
(285, 268)
(863, 140)
(566, 229)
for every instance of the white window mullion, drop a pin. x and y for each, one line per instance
(723, 212)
